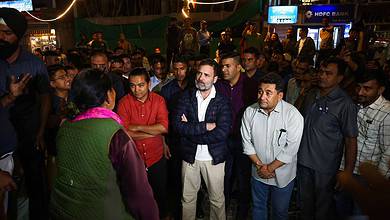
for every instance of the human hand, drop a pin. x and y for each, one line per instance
(135, 128)
(40, 142)
(210, 126)
(16, 87)
(374, 199)
(6, 182)
(265, 173)
(167, 152)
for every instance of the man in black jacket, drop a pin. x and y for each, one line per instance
(203, 120)
(305, 47)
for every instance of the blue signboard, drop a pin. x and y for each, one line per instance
(20, 5)
(282, 14)
(336, 13)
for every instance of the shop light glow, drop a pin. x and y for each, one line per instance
(54, 19)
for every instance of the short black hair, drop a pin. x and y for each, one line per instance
(70, 67)
(157, 59)
(53, 69)
(234, 55)
(117, 60)
(89, 89)
(305, 29)
(304, 59)
(140, 71)
(180, 59)
(273, 78)
(252, 50)
(341, 65)
(99, 54)
(212, 63)
(372, 74)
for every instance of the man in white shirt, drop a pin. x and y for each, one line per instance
(305, 47)
(203, 119)
(271, 132)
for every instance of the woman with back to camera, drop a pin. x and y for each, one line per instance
(100, 174)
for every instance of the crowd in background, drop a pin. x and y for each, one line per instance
(97, 133)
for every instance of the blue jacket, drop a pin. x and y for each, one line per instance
(194, 132)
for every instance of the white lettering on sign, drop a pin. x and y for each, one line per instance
(339, 13)
(333, 14)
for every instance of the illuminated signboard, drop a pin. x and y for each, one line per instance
(282, 14)
(20, 5)
(336, 13)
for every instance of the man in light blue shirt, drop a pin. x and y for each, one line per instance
(271, 132)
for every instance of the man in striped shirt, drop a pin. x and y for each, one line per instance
(374, 133)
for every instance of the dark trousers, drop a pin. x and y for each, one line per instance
(238, 168)
(345, 204)
(175, 187)
(157, 176)
(33, 164)
(316, 192)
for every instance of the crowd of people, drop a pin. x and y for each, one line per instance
(100, 134)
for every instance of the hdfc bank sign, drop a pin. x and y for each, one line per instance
(336, 13)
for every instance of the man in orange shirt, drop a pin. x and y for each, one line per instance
(145, 117)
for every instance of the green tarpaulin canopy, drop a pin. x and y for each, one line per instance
(151, 34)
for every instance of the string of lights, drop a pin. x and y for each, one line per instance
(60, 16)
(211, 3)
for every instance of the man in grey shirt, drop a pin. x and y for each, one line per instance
(271, 133)
(330, 124)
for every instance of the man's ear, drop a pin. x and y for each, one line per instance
(280, 95)
(215, 79)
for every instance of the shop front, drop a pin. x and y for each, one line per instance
(340, 17)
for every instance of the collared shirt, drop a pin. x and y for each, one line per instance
(202, 150)
(273, 136)
(328, 120)
(152, 111)
(241, 95)
(374, 136)
(154, 81)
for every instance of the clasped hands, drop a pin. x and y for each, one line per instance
(265, 171)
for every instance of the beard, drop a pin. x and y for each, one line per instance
(7, 49)
(203, 86)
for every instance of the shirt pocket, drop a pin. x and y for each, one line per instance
(279, 140)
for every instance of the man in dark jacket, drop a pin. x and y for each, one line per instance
(203, 120)
(305, 47)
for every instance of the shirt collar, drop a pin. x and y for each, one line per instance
(377, 104)
(332, 94)
(211, 95)
(278, 108)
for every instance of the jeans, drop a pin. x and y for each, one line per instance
(280, 200)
